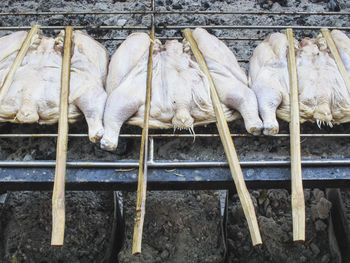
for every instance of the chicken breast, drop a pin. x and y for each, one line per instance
(323, 97)
(180, 91)
(34, 95)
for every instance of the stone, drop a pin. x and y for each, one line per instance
(320, 226)
(325, 259)
(323, 208)
(317, 193)
(315, 249)
(177, 6)
(164, 254)
(121, 22)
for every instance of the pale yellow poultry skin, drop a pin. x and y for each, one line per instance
(180, 90)
(323, 96)
(34, 95)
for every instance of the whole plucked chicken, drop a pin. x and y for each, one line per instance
(180, 96)
(34, 95)
(323, 96)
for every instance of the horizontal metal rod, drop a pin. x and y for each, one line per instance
(295, 27)
(77, 27)
(143, 12)
(180, 38)
(48, 135)
(166, 164)
(180, 27)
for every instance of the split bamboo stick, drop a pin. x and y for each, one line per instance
(142, 179)
(333, 48)
(298, 202)
(18, 61)
(58, 196)
(229, 147)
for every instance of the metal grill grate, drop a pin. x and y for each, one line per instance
(17, 175)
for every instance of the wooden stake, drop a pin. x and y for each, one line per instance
(18, 61)
(142, 182)
(58, 196)
(229, 147)
(298, 202)
(334, 51)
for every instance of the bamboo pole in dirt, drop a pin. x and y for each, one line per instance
(142, 179)
(334, 51)
(58, 196)
(18, 61)
(229, 147)
(298, 201)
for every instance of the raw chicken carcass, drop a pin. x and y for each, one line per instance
(323, 96)
(230, 80)
(180, 91)
(35, 91)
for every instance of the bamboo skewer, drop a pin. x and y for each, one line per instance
(229, 147)
(18, 61)
(142, 179)
(298, 202)
(58, 196)
(334, 51)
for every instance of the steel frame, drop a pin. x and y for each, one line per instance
(20, 175)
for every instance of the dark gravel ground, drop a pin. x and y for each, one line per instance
(26, 228)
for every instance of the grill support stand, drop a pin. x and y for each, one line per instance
(3, 198)
(118, 229)
(339, 224)
(224, 195)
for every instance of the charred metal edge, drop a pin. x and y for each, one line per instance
(219, 178)
(339, 224)
(3, 199)
(223, 222)
(118, 229)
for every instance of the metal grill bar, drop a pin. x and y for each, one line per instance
(295, 27)
(81, 135)
(170, 164)
(180, 38)
(144, 12)
(78, 27)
